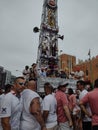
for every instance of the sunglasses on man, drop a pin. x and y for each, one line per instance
(21, 84)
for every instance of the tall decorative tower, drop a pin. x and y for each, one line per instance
(48, 37)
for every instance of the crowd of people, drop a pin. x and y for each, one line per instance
(34, 72)
(22, 108)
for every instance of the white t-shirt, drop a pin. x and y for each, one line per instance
(82, 94)
(1, 97)
(11, 107)
(50, 104)
(26, 74)
(80, 74)
(28, 121)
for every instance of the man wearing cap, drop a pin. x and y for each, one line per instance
(63, 114)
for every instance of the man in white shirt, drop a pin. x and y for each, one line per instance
(1, 97)
(11, 107)
(86, 121)
(49, 108)
(26, 73)
(7, 89)
(31, 118)
(43, 72)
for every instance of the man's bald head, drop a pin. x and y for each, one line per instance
(31, 85)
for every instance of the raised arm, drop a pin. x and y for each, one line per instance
(35, 110)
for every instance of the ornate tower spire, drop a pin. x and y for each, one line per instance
(48, 37)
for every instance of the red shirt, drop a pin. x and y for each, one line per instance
(61, 102)
(92, 99)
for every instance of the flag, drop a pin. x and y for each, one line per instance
(89, 53)
(61, 51)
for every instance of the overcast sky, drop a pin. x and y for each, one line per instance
(77, 19)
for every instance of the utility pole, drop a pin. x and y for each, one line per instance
(90, 62)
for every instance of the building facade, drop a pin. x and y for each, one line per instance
(90, 68)
(2, 77)
(5, 77)
(67, 62)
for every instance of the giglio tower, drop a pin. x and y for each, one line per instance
(48, 37)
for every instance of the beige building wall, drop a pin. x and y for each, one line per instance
(90, 67)
(67, 62)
